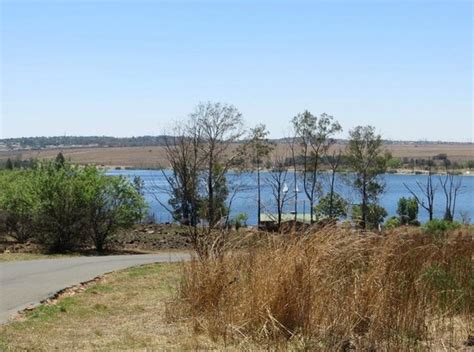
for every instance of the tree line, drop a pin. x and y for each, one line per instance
(203, 148)
(63, 205)
(80, 141)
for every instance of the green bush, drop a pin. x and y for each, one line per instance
(392, 223)
(439, 227)
(334, 210)
(18, 204)
(62, 211)
(375, 215)
(64, 206)
(111, 203)
(408, 211)
(240, 220)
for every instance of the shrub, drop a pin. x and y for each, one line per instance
(375, 215)
(62, 206)
(18, 204)
(110, 203)
(408, 211)
(392, 223)
(240, 220)
(439, 227)
(335, 209)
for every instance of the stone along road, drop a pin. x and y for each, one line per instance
(24, 283)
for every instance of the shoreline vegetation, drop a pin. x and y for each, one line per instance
(461, 172)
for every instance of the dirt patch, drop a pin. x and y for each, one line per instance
(152, 237)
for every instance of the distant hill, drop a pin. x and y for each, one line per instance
(41, 143)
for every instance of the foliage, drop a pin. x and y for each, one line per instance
(364, 153)
(439, 227)
(258, 145)
(220, 194)
(112, 203)
(375, 215)
(59, 160)
(240, 220)
(392, 223)
(64, 206)
(394, 163)
(408, 211)
(335, 207)
(74, 141)
(315, 135)
(18, 203)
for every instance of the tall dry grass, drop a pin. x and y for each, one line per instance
(337, 290)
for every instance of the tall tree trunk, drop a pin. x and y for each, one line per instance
(259, 209)
(363, 223)
(210, 185)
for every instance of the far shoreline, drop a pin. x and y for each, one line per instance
(399, 172)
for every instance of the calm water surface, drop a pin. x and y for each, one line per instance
(245, 200)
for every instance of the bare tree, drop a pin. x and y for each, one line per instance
(428, 191)
(451, 187)
(277, 179)
(182, 153)
(220, 126)
(315, 136)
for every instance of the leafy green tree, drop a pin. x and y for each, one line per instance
(9, 164)
(111, 203)
(408, 211)
(364, 153)
(394, 163)
(331, 208)
(18, 204)
(240, 220)
(374, 216)
(60, 160)
(315, 135)
(62, 205)
(220, 126)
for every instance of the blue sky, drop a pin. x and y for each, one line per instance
(127, 68)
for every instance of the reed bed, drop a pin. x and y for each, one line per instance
(336, 289)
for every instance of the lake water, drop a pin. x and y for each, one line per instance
(246, 200)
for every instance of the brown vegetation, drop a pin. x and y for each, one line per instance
(337, 290)
(154, 156)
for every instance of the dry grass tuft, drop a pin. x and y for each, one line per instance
(336, 290)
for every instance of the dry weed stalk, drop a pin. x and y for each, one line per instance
(335, 289)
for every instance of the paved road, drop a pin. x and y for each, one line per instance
(23, 283)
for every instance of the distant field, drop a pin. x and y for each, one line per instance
(153, 156)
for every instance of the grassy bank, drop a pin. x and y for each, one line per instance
(338, 290)
(325, 291)
(124, 310)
